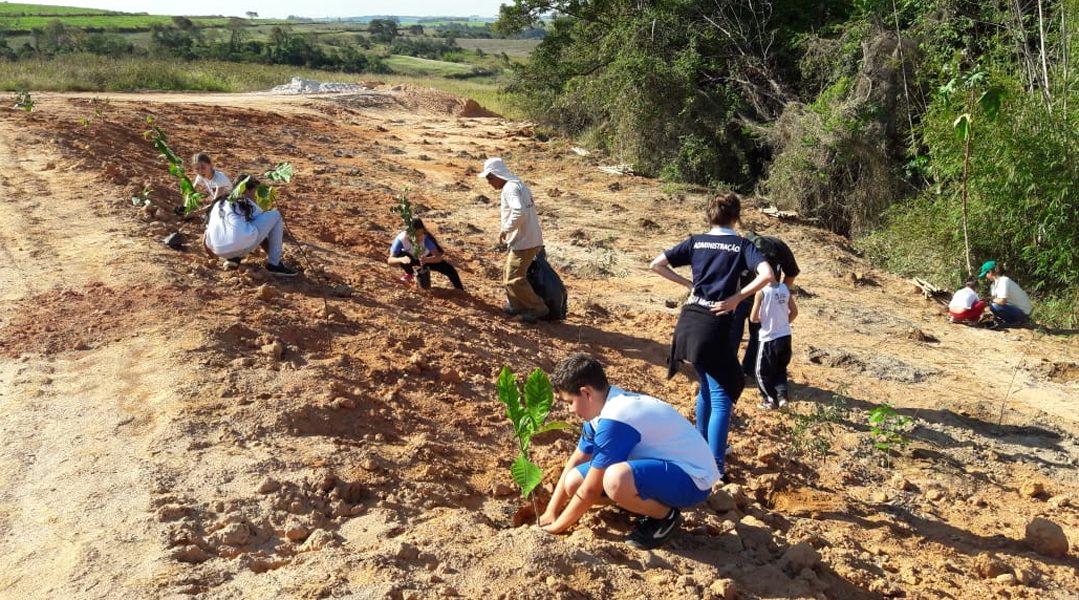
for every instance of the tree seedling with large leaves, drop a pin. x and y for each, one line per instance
(527, 414)
(192, 199)
(403, 208)
(265, 195)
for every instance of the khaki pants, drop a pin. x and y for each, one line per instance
(523, 299)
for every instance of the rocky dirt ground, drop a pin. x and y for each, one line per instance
(175, 429)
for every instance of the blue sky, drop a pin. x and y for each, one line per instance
(280, 9)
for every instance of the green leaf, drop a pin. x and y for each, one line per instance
(509, 395)
(962, 127)
(539, 395)
(949, 88)
(553, 425)
(265, 196)
(238, 191)
(525, 474)
(282, 172)
(990, 102)
(192, 199)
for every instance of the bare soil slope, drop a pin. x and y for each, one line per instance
(175, 429)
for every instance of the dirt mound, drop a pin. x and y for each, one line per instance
(433, 101)
(175, 427)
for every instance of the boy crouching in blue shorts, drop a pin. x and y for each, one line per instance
(637, 450)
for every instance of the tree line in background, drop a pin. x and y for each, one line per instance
(902, 123)
(239, 41)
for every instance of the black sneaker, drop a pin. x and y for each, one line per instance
(651, 533)
(280, 270)
(236, 260)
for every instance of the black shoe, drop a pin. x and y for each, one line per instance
(280, 270)
(651, 533)
(236, 260)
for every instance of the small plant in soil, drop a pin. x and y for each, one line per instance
(265, 195)
(143, 198)
(403, 208)
(23, 100)
(527, 414)
(886, 428)
(99, 105)
(811, 434)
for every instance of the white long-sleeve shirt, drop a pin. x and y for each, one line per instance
(519, 219)
(228, 230)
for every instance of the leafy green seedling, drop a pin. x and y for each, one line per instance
(192, 198)
(99, 104)
(403, 208)
(23, 100)
(143, 198)
(886, 427)
(527, 414)
(265, 195)
(282, 172)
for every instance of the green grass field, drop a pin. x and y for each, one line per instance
(7, 9)
(89, 73)
(516, 49)
(410, 65)
(104, 21)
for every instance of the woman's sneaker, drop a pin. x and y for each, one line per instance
(280, 270)
(765, 406)
(652, 533)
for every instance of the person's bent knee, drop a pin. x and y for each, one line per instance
(618, 482)
(573, 482)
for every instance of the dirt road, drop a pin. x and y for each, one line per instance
(172, 428)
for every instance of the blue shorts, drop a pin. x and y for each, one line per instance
(662, 481)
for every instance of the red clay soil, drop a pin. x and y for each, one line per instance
(173, 428)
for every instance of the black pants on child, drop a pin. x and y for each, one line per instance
(443, 267)
(772, 361)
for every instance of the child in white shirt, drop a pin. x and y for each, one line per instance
(965, 306)
(774, 308)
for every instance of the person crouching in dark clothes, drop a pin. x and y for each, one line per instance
(432, 256)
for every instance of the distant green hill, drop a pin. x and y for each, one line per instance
(12, 9)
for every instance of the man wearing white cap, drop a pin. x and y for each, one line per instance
(521, 232)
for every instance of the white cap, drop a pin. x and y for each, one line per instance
(495, 166)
